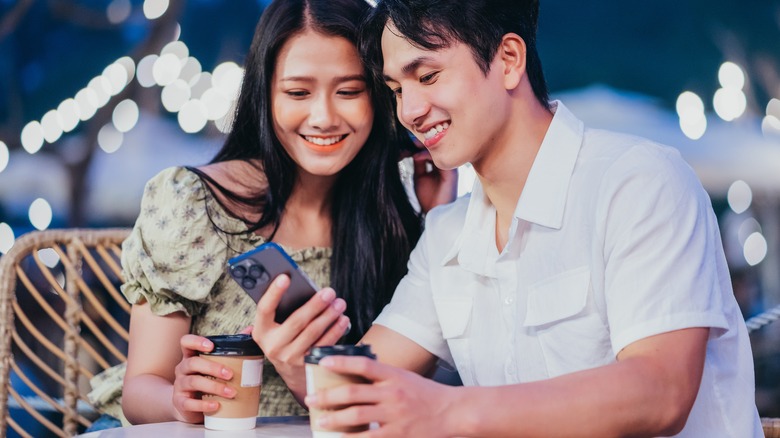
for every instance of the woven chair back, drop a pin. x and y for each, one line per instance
(62, 320)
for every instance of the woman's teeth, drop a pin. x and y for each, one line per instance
(436, 129)
(324, 141)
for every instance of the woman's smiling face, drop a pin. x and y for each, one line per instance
(321, 107)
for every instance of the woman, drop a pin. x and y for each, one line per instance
(311, 163)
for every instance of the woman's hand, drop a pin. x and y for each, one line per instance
(318, 322)
(193, 380)
(433, 186)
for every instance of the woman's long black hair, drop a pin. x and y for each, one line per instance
(374, 225)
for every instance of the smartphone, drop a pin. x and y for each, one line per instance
(256, 269)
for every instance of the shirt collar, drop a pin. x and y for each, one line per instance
(542, 201)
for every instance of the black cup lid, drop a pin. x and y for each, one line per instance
(234, 345)
(317, 353)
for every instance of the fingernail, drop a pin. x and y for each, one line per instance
(228, 391)
(213, 406)
(344, 322)
(281, 280)
(326, 361)
(207, 344)
(339, 305)
(328, 295)
(225, 373)
(310, 399)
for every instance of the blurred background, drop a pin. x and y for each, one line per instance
(97, 96)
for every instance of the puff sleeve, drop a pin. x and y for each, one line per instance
(173, 257)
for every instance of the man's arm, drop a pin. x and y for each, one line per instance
(397, 350)
(649, 391)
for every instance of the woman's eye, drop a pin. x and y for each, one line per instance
(351, 92)
(396, 91)
(297, 93)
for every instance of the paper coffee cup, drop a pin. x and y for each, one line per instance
(318, 378)
(241, 354)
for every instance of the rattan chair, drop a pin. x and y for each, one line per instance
(62, 320)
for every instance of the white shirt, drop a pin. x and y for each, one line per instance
(613, 240)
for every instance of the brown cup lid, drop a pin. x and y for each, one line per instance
(234, 345)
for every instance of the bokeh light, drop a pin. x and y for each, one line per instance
(193, 116)
(739, 196)
(109, 139)
(755, 249)
(52, 131)
(145, 71)
(6, 238)
(731, 76)
(154, 9)
(40, 214)
(32, 137)
(690, 110)
(118, 11)
(49, 257)
(125, 115)
(175, 95)
(4, 156)
(166, 69)
(729, 103)
(87, 101)
(68, 114)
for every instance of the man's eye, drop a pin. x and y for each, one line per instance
(429, 78)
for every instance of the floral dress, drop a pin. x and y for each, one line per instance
(175, 259)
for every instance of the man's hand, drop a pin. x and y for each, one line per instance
(400, 401)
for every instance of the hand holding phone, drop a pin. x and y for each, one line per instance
(256, 269)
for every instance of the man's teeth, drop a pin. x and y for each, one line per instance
(323, 141)
(436, 129)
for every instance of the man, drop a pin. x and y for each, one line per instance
(581, 290)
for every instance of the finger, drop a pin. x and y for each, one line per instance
(359, 366)
(187, 405)
(320, 326)
(352, 416)
(335, 332)
(266, 307)
(247, 330)
(336, 398)
(192, 345)
(205, 367)
(204, 385)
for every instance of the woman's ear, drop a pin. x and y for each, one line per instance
(512, 53)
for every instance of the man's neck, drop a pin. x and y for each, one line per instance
(503, 171)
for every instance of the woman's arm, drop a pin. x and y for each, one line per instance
(165, 376)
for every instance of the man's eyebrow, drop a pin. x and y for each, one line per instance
(410, 67)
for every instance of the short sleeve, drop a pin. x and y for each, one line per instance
(412, 312)
(174, 256)
(661, 248)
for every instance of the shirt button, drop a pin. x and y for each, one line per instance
(509, 300)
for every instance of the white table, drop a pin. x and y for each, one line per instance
(266, 427)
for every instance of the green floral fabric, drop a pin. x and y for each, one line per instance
(175, 259)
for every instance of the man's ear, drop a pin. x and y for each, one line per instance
(512, 54)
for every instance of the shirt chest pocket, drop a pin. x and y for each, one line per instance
(455, 318)
(570, 332)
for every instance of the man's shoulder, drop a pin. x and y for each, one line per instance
(446, 216)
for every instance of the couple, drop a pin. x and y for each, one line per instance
(580, 290)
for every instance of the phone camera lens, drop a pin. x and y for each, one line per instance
(248, 282)
(239, 271)
(255, 271)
